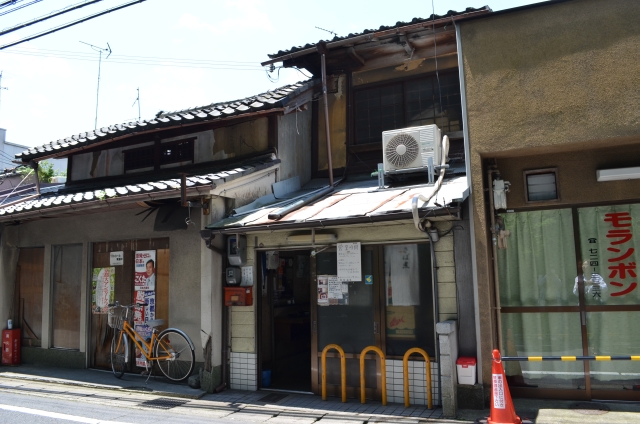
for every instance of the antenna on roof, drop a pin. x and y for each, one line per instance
(137, 101)
(326, 30)
(100, 50)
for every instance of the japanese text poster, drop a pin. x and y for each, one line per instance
(145, 270)
(103, 284)
(349, 261)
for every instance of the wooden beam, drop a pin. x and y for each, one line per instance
(351, 52)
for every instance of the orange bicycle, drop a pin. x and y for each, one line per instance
(171, 349)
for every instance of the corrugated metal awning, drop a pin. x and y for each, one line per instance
(350, 202)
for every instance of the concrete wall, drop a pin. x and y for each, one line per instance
(185, 253)
(554, 80)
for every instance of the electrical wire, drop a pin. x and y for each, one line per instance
(19, 7)
(178, 63)
(435, 52)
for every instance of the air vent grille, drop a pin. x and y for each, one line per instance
(402, 150)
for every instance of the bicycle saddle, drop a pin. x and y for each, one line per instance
(155, 323)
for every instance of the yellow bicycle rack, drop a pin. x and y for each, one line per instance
(377, 350)
(405, 366)
(343, 371)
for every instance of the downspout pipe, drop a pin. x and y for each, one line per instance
(436, 307)
(494, 261)
(322, 49)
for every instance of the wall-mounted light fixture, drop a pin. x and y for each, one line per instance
(310, 238)
(618, 174)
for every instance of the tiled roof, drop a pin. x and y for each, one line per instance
(269, 100)
(60, 196)
(449, 14)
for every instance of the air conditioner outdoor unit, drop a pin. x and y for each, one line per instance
(411, 149)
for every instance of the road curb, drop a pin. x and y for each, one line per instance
(52, 380)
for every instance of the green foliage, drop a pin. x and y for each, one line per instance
(45, 171)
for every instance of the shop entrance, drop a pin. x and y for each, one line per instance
(285, 328)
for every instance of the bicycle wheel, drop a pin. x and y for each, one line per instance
(176, 346)
(119, 354)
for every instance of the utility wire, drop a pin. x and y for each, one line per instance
(180, 63)
(9, 3)
(49, 16)
(70, 24)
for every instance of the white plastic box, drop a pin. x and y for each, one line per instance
(466, 370)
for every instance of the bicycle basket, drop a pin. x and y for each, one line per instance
(117, 315)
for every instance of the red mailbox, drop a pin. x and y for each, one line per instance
(11, 347)
(238, 296)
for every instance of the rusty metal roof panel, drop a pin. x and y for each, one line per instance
(357, 200)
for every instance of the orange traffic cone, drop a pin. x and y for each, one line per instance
(502, 410)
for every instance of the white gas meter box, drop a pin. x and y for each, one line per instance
(411, 149)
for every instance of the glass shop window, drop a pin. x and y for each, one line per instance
(409, 298)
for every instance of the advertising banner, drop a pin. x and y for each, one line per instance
(103, 283)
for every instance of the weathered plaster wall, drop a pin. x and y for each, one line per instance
(185, 247)
(537, 79)
(337, 127)
(294, 145)
(241, 139)
(576, 175)
(243, 318)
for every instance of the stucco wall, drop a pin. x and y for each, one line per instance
(185, 247)
(546, 80)
(243, 318)
(294, 145)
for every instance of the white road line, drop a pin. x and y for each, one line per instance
(57, 416)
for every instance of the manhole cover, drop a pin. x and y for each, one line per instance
(589, 408)
(163, 403)
(272, 398)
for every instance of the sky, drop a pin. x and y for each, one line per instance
(179, 54)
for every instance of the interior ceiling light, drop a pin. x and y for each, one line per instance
(618, 174)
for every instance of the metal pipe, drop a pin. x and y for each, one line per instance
(436, 309)
(383, 372)
(405, 370)
(278, 214)
(343, 371)
(494, 250)
(326, 116)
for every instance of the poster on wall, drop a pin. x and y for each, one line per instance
(349, 261)
(401, 322)
(142, 315)
(145, 270)
(103, 283)
(332, 290)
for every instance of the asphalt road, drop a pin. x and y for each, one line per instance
(17, 408)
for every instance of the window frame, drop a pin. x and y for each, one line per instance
(352, 139)
(191, 151)
(527, 173)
